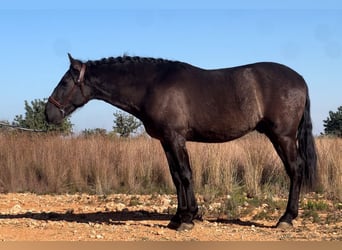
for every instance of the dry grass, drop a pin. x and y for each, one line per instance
(53, 164)
(330, 166)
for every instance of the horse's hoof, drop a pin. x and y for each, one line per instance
(185, 226)
(284, 225)
(174, 225)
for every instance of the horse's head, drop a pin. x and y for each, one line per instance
(70, 93)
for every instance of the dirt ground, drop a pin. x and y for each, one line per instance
(120, 217)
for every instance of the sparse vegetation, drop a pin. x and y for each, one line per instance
(319, 205)
(311, 215)
(105, 164)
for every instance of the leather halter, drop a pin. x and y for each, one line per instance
(78, 83)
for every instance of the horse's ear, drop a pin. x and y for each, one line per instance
(76, 64)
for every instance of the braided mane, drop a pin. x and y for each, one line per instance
(128, 60)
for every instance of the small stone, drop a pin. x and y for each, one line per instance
(15, 209)
(70, 211)
(99, 236)
(119, 206)
(160, 232)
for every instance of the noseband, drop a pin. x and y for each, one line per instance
(78, 83)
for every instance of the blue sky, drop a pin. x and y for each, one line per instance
(36, 37)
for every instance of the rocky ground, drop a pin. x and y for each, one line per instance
(82, 217)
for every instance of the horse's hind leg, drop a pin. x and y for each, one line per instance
(286, 148)
(177, 156)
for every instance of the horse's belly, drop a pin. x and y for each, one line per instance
(217, 135)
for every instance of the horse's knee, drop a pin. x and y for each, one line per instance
(186, 176)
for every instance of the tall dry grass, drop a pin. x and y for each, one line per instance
(98, 164)
(330, 166)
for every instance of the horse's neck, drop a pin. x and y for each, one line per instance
(125, 95)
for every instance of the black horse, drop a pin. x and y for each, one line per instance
(178, 102)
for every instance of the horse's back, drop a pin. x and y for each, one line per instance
(224, 104)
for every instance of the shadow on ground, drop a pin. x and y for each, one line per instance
(98, 217)
(115, 218)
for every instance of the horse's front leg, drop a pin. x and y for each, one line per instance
(178, 159)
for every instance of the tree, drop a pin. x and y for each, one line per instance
(125, 124)
(333, 123)
(35, 118)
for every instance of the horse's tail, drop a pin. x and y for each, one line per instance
(307, 148)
